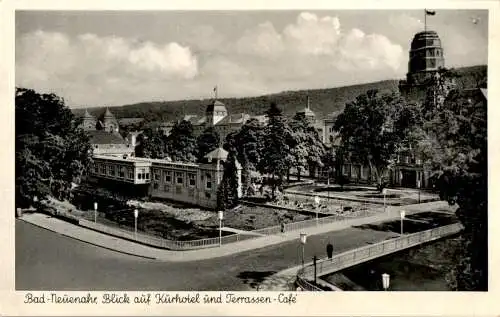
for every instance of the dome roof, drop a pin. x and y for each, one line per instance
(88, 116)
(108, 115)
(425, 39)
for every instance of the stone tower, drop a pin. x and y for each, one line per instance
(426, 57)
(216, 111)
(108, 122)
(89, 122)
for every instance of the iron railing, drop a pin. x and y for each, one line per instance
(366, 253)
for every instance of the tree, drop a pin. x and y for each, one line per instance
(52, 150)
(208, 141)
(461, 170)
(152, 144)
(278, 142)
(368, 135)
(309, 147)
(227, 192)
(181, 143)
(248, 142)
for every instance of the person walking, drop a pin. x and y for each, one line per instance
(329, 250)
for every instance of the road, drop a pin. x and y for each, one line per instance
(48, 261)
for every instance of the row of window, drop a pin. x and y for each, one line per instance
(119, 171)
(168, 178)
(178, 190)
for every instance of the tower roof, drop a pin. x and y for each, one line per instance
(88, 116)
(108, 115)
(216, 105)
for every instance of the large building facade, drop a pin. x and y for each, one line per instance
(190, 183)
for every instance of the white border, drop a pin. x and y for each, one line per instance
(334, 304)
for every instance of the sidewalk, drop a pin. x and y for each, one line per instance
(132, 248)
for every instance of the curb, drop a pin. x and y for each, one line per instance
(91, 243)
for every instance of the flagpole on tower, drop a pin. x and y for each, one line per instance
(425, 20)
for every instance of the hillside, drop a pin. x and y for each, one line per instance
(323, 102)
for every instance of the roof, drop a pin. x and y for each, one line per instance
(103, 137)
(216, 106)
(307, 112)
(217, 154)
(485, 93)
(88, 116)
(238, 118)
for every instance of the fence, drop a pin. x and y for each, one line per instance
(363, 254)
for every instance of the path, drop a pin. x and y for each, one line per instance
(133, 248)
(248, 233)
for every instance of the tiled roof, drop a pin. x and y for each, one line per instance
(103, 137)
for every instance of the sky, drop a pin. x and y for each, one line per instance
(112, 58)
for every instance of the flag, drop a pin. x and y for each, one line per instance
(430, 12)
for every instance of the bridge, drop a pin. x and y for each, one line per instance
(341, 261)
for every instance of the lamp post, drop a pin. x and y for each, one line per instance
(316, 202)
(95, 212)
(315, 269)
(384, 192)
(303, 240)
(418, 185)
(402, 215)
(136, 215)
(35, 200)
(386, 281)
(221, 216)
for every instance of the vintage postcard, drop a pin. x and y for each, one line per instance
(295, 158)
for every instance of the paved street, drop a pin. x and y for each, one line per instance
(46, 260)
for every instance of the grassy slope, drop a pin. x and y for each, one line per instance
(323, 101)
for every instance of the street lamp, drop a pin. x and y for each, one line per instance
(136, 215)
(35, 200)
(384, 192)
(303, 240)
(386, 281)
(402, 215)
(316, 202)
(418, 185)
(95, 212)
(221, 216)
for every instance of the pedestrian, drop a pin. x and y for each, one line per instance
(329, 250)
(282, 227)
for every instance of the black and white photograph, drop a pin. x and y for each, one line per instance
(291, 151)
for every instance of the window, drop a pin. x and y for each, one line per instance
(102, 168)
(168, 177)
(207, 194)
(166, 188)
(156, 175)
(109, 170)
(122, 172)
(142, 174)
(209, 181)
(180, 178)
(155, 185)
(131, 173)
(192, 179)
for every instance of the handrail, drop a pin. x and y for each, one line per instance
(369, 252)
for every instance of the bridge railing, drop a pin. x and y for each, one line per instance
(366, 253)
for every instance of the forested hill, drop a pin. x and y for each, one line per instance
(323, 101)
